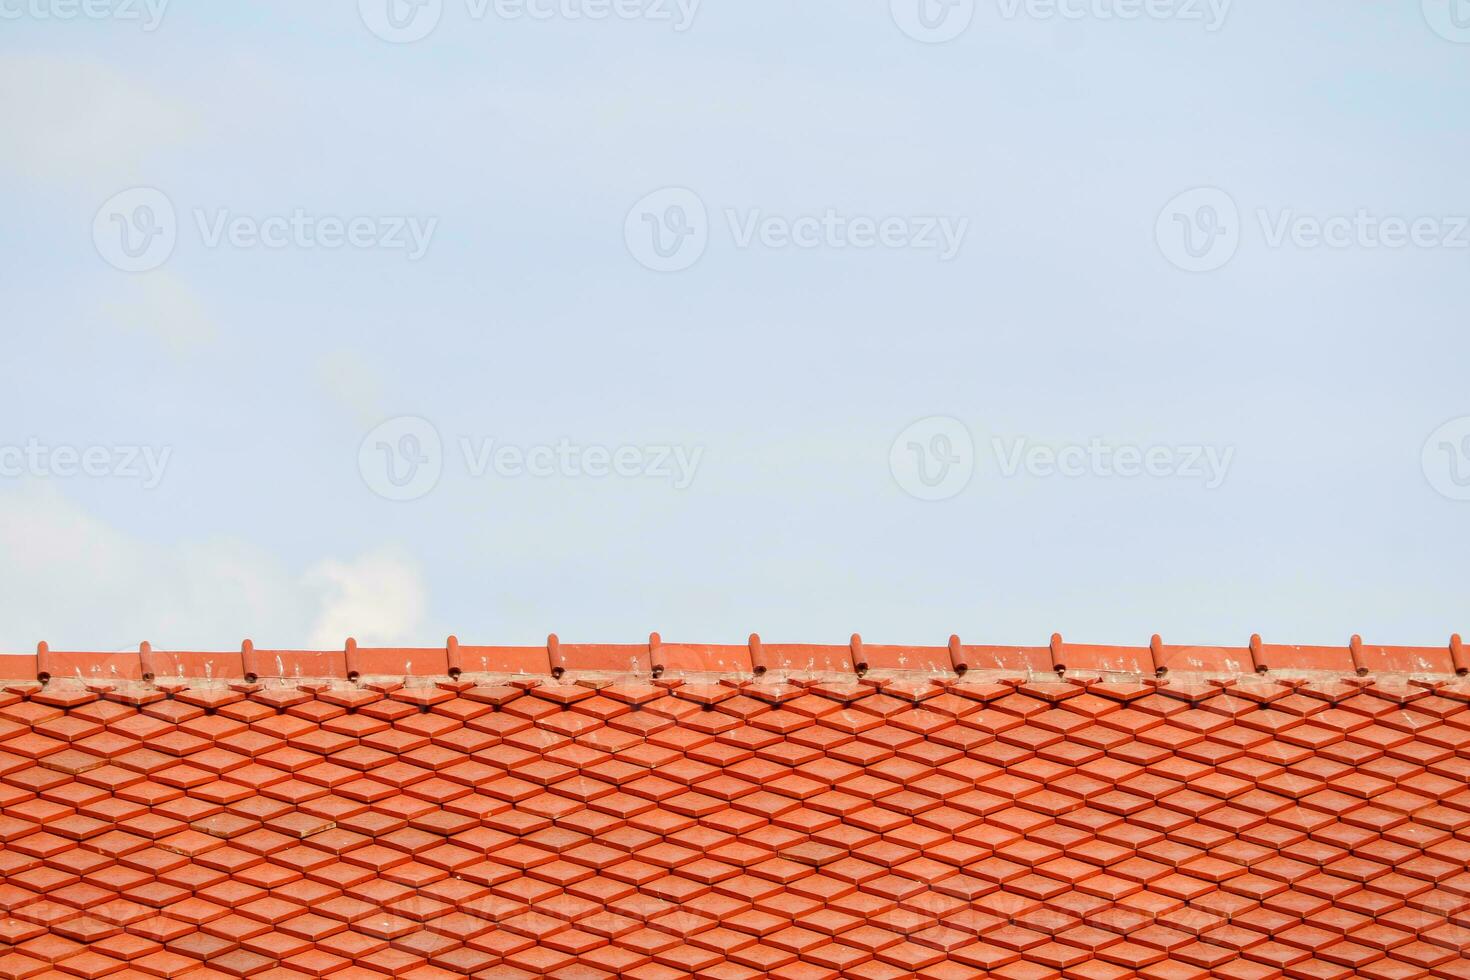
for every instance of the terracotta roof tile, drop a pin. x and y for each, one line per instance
(1078, 824)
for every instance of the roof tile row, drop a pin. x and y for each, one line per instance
(755, 656)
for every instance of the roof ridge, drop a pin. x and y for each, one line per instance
(656, 658)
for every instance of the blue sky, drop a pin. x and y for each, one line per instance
(1063, 320)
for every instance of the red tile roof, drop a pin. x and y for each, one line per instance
(1155, 659)
(941, 812)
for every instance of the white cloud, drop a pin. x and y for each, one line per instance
(80, 583)
(66, 118)
(353, 383)
(378, 599)
(163, 307)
